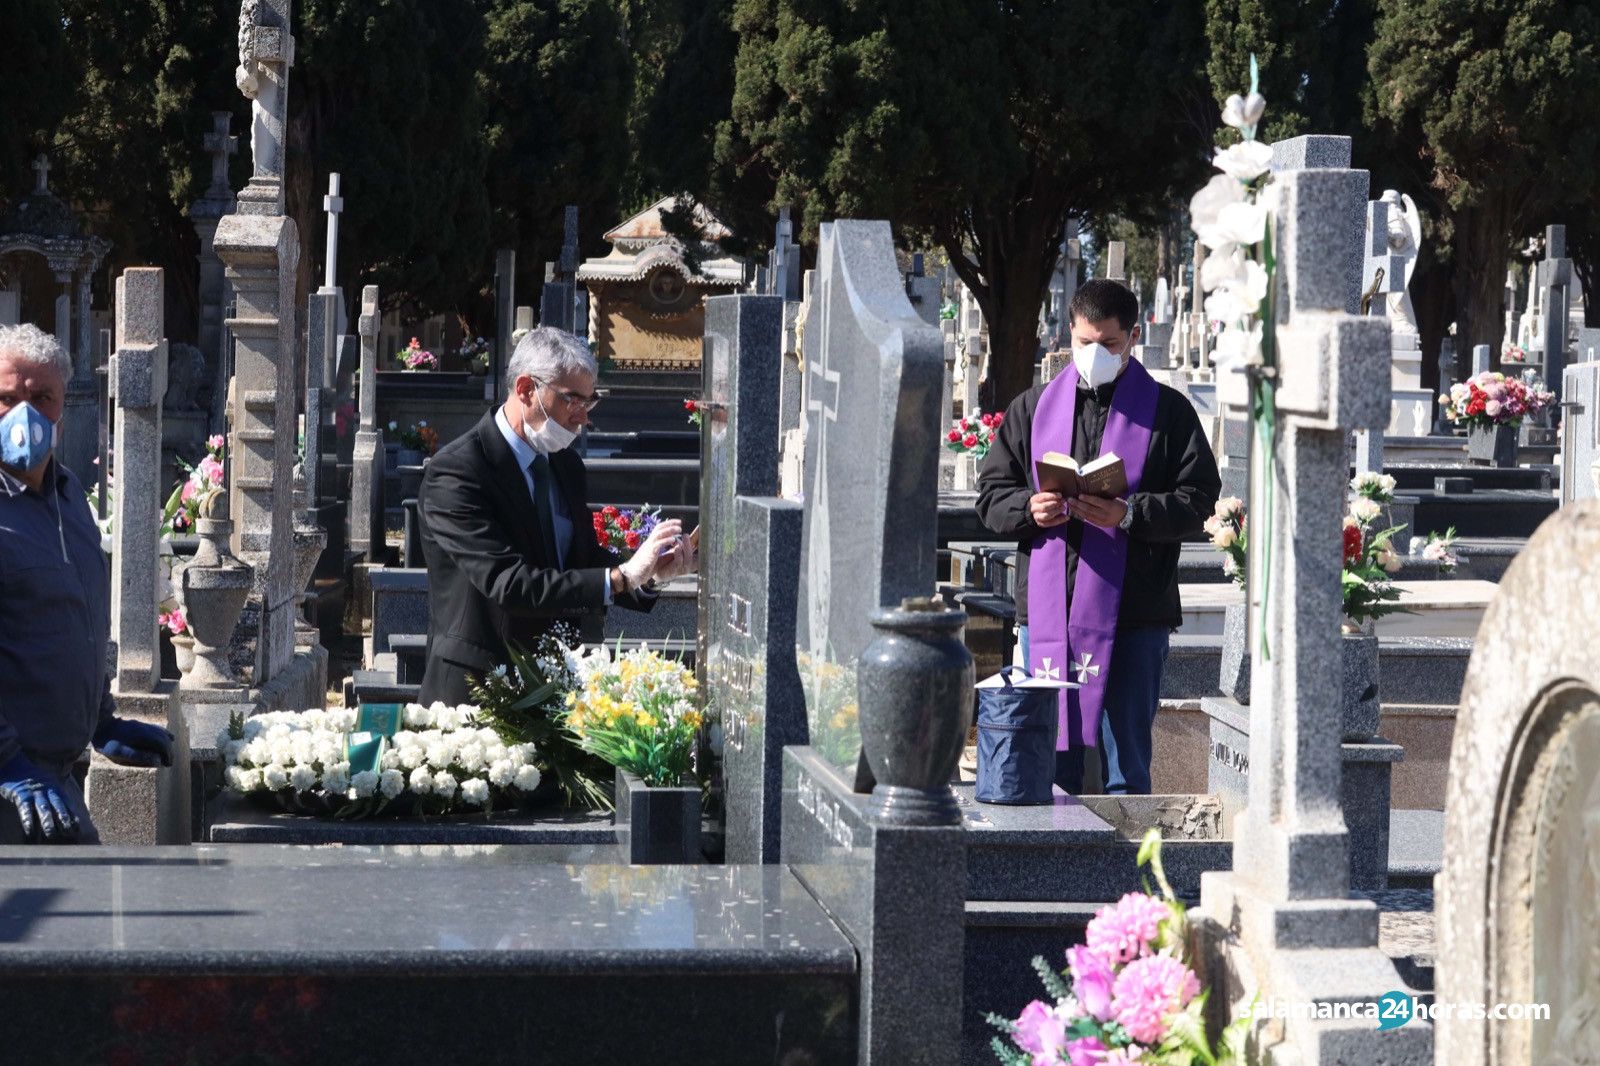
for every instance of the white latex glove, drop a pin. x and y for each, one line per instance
(646, 561)
(682, 559)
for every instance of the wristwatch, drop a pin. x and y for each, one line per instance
(1127, 517)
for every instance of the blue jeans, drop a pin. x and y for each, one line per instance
(1133, 692)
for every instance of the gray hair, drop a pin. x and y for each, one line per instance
(549, 354)
(31, 346)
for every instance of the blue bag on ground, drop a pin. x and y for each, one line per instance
(1016, 741)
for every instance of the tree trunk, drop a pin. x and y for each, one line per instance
(1482, 246)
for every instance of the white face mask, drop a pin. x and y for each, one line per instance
(552, 436)
(1097, 365)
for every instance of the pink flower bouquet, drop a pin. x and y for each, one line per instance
(415, 357)
(1127, 995)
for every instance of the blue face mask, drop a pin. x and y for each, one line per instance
(27, 437)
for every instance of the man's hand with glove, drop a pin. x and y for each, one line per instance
(646, 561)
(45, 815)
(133, 743)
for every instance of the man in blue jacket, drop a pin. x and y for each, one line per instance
(55, 613)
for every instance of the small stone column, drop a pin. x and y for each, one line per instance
(135, 805)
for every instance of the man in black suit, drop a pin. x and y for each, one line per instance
(506, 527)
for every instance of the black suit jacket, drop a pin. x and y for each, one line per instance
(489, 581)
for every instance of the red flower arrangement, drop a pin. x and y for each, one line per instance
(974, 434)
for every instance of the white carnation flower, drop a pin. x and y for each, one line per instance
(230, 777)
(249, 780)
(303, 778)
(417, 717)
(412, 756)
(336, 778)
(1245, 161)
(391, 783)
(527, 778)
(444, 784)
(502, 772)
(365, 783)
(421, 781)
(493, 753)
(475, 791)
(275, 777)
(389, 760)
(441, 753)
(470, 756)
(1365, 510)
(1204, 207)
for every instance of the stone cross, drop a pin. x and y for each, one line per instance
(872, 432)
(505, 317)
(138, 378)
(1288, 896)
(1555, 276)
(333, 204)
(266, 52)
(1481, 361)
(1511, 308)
(41, 170)
(366, 478)
(1116, 253)
(784, 269)
(221, 145)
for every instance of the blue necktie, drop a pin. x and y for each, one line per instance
(541, 502)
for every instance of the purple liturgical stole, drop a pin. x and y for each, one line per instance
(1076, 645)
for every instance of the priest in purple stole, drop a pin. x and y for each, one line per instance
(1097, 578)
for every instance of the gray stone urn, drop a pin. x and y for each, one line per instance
(1359, 708)
(213, 586)
(657, 824)
(915, 693)
(1492, 445)
(1235, 680)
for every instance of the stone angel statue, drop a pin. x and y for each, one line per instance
(1405, 241)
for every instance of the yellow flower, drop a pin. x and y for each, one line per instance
(644, 719)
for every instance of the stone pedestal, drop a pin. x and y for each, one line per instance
(261, 252)
(135, 805)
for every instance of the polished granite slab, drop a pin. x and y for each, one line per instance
(263, 908)
(488, 954)
(236, 821)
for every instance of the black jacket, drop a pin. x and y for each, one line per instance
(489, 583)
(1179, 490)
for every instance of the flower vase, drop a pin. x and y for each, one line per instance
(1235, 680)
(915, 693)
(213, 587)
(1492, 445)
(1359, 707)
(407, 457)
(661, 824)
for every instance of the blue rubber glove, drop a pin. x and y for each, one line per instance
(131, 743)
(46, 817)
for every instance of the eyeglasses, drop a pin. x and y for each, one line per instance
(576, 399)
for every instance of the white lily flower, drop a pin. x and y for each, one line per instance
(1227, 305)
(1207, 204)
(1237, 223)
(1222, 269)
(1245, 161)
(1242, 112)
(1237, 348)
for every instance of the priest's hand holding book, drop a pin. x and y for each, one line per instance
(1092, 492)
